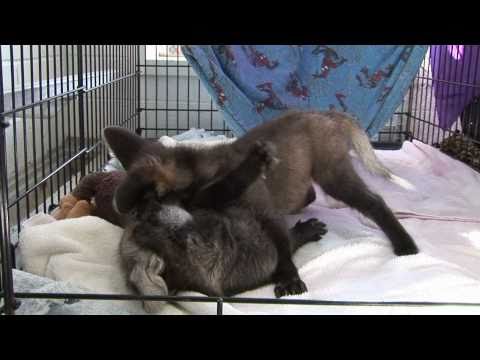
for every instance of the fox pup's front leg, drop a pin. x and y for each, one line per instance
(220, 194)
(286, 278)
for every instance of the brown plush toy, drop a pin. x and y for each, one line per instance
(70, 207)
(92, 196)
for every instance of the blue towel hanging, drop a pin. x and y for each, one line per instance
(251, 84)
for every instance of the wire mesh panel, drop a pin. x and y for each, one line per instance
(172, 98)
(443, 107)
(55, 101)
(423, 111)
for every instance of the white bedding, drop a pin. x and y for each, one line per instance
(354, 261)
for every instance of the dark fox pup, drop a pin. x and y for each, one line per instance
(205, 241)
(311, 146)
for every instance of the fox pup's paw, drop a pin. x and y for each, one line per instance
(407, 248)
(311, 229)
(266, 153)
(292, 287)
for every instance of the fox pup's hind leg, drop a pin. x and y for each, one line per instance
(345, 185)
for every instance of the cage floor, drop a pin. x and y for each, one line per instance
(436, 198)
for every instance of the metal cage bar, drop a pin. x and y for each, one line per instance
(6, 285)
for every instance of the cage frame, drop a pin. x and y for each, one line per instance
(84, 93)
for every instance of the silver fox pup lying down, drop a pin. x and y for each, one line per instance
(310, 146)
(196, 243)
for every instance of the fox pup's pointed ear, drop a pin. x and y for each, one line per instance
(125, 144)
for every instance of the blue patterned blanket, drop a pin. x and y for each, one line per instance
(255, 83)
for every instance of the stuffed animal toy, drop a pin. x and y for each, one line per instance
(92, 196)
(71, 207)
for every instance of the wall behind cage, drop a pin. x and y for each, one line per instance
(172, 98)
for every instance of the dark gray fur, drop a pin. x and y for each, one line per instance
(196, 243)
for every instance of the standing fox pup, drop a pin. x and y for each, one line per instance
(311, 146)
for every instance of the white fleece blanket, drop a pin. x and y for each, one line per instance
(439, 206)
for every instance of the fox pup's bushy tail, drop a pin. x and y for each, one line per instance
(362, 146)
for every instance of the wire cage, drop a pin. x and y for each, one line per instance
(56, 99)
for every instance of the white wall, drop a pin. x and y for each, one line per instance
(175, 88)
